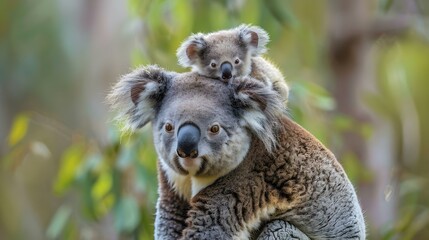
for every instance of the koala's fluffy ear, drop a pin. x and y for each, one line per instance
(136, 95)
(188, 52)
(256, 38)
(259, 107)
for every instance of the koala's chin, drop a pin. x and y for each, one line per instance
(189, 166)
(192, 166)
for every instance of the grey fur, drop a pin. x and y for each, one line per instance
(281, 230)
(239, 181)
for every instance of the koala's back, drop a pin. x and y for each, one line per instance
(325, 205)
(265, 71)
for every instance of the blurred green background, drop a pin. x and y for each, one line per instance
(359, 77)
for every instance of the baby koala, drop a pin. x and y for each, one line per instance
(231, 53)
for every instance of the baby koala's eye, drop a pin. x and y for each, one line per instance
(237, 61)
(168, 127)
(215, 128)
(213, 65)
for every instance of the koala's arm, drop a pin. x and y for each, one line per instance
(267, 72)
(223, 210)
(279, 230)
(171, 211)
(205, 227)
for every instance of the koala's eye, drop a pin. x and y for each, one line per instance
(215, 128)
(168, 127)
(213, 65)
(237, 61)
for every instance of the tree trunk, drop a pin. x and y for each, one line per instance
(351, 60)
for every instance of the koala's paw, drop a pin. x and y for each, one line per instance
(213, 233)
(280, 230)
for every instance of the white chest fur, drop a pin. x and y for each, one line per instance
(186, 186)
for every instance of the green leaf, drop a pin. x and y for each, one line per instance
(94, 162)
(70, 162)
(325, 103)
(420, 221)
(127, 214)
(101, 193)
(366, 131)
(343, 123)
(126, 157)
(317, 95)
(378, 104)
(19, 129)
(146, 181)
(102, 186)
(58, 222)
(281, 12)
(386, 5)
(250, 12)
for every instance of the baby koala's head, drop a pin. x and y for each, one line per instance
(224, 54)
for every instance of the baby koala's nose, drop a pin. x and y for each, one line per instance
(226, 69)
(188, 138)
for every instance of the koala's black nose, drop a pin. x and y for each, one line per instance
(226, 69)
(188, 137)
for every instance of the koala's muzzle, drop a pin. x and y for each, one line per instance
(188, 137)
(226, 69)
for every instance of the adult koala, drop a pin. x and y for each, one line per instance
(230, 161)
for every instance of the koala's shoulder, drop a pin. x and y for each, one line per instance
(298, 144)
(293, 135)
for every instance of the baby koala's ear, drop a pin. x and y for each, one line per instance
(188, 52)
(256, 38)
